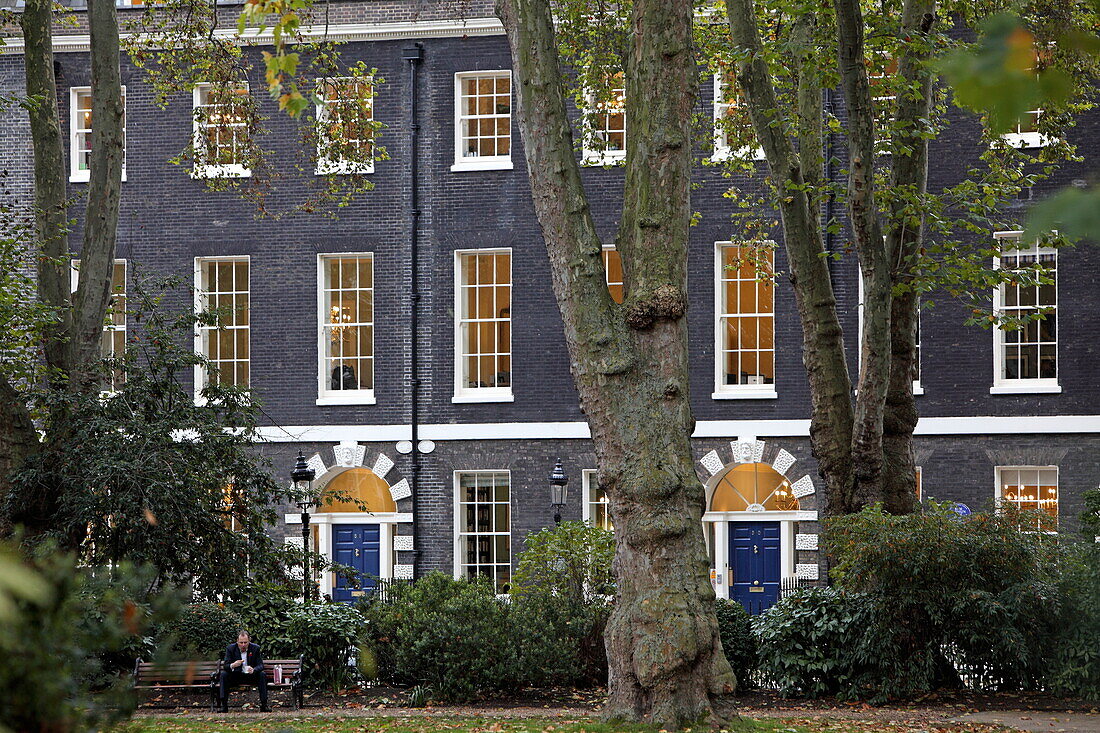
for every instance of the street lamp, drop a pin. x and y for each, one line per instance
(558, 490)
(303, 476)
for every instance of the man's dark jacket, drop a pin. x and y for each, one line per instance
(255, 659)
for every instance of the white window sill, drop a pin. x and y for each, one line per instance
(342, 168)
(1025, 140)
(221, 171)
(485, 394)
(722, 154)
(748, 393)
(85, 176)
(482, 164)
(1025, 389)
(352, 398)
(594, 158)
(918, 389)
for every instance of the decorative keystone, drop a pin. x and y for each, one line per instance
(349, 453)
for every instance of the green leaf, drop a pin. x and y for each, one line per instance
(1074, 213)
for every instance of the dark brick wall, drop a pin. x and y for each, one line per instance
(168, 219)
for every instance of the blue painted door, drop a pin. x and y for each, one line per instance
(357, 546)
(754, 564)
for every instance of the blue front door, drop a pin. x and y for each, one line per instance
(357, 546)
(754, 563)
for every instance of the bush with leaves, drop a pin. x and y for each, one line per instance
(453, 635)
(1073, 667)
(202, 631)
(738, 640)
(977, 589)
(136, 491)
(265, 610)
(65, 642)
(327, 634)
(561, 595)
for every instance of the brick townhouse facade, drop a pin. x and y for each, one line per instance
(458, 479)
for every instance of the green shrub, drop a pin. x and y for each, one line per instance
(1074, 664)
(738, 640)
(561, 602)
(978, 590)
(328, 635)
(453, 635)
(265, 611)
(202, 631)
(822, 641)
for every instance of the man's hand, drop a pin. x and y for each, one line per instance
(236, 664)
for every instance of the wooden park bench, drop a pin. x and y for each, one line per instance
(202, 675)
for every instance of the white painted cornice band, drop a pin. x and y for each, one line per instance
(1004, 425)
(335, 32)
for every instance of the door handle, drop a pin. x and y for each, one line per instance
(755, 550)
(357, 552)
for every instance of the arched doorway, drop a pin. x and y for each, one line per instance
(752, 510)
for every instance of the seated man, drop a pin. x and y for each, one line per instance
(243, 663)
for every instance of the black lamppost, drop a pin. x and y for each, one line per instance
(303, 476)
(558, 490)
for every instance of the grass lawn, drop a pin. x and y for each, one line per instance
(341, 724)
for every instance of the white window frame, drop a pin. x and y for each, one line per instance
(1021, 386)
(724, 391)
(918, 386)
(203, 170)
(722, 149)
(481, 162)
(589, 481)
(1001, 502)
(462, 393)
(1026, 140)
(75, 174)
(460, 533)
(325, 395)
(605, 156)
(200, 369)
(326, 165)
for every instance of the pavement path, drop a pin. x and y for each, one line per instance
(1026, 720)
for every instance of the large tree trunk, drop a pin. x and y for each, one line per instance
(630, 361)
(874, 257)
(101, 221)
(51, 216)
(905, 233)
(831, 417)
(72, 346)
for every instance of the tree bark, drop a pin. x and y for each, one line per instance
(831, 417)
(104, 188)
(51, 216)
(904, 235)
(874, 257)
(629, 362)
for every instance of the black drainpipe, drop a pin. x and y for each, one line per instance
(414, 54)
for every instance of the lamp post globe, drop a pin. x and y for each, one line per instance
(302, 477)
(559, 489)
